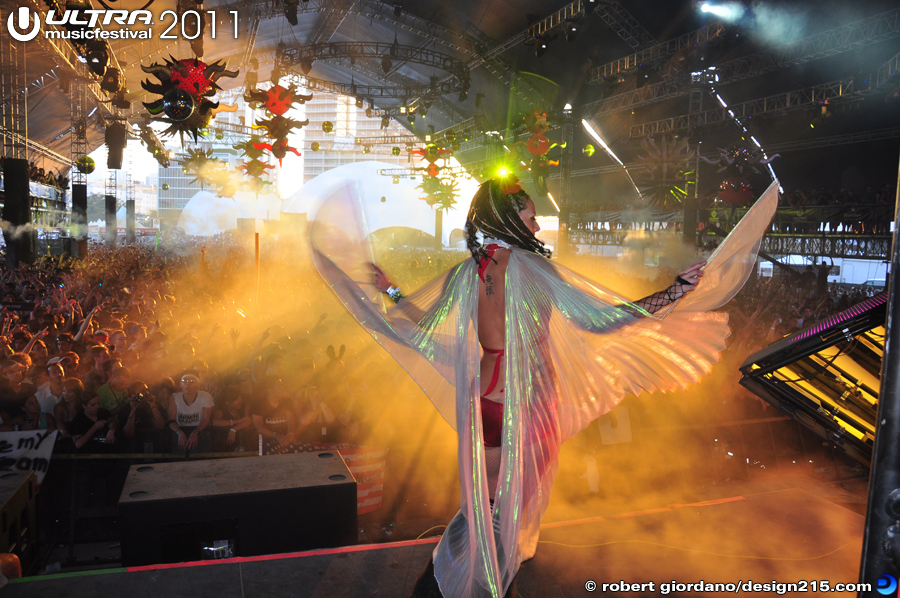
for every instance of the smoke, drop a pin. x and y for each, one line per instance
(11, 231)
(772, 24)
(778, 25)
(651, 451)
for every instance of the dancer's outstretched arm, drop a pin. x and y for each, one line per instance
(684, 283)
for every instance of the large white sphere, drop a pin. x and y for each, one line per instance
(402, 205)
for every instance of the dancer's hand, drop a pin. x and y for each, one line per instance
(693, 274)
(381, 280)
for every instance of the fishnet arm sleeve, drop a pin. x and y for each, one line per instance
(655, 302)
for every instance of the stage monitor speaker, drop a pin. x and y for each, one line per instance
(827, 377)
(18, 518)
(247, 506)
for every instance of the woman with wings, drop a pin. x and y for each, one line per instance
(519, 354)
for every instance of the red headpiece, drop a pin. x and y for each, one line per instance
(509, 184)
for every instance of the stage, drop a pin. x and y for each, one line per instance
(786, 535)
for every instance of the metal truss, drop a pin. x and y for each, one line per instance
(586, 230)
(367, 9)
(821, 45)
(648, 94)
(348, 52)
(391, 140)
(566, 14)
(251, 41)
(334, 15)
(34, 147)
(847, 246)
(599, 237)
(887, 71)
(657, 53)
(470, 126)
(835, 140)
(779, 103)
(624, 24)
(827, 43)
(78, 112)
(14, 113)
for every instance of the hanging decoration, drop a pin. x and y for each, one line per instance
(662, 171)
(277, 100)
(253, 167)
(440, 192)
(537, 147)
(210, 171)
(739, 164)
(739, 160)
(185, 88)
(85, 165)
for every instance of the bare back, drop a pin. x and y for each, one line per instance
(492, 322)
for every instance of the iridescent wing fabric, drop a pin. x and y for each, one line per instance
(573, 350)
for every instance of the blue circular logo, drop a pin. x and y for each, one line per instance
(887, 585)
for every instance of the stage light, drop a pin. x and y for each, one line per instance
(385, 122)
(112, 81)
(730, 11)
(503, 172)
(395, 179)
(305, 65)
(590, 6)
(97, 58)
(398, 9)
(571, 31)
(463, 95)
(386, 63)
(540, 48)
(359, 102)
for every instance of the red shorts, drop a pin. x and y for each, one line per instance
(491, 422)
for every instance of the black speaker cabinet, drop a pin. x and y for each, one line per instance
(241, 506)
(18, 518)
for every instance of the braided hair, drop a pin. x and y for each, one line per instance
(496, 214)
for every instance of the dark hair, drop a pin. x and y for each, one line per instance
(496, 214)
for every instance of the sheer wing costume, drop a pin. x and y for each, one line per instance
(574, 349)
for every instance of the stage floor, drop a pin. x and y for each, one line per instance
(787, 536)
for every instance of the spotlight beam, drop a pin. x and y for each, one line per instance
(596, 136)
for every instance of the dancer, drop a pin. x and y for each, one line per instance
(520, 354)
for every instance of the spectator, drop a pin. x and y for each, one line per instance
(114, 394)
(141, 419)
(274, 420)
(189, 415)
(232, 424)
(50, 394)
(69, 407)
(94, 429)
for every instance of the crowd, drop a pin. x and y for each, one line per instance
(45, 177)
(113, 352)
